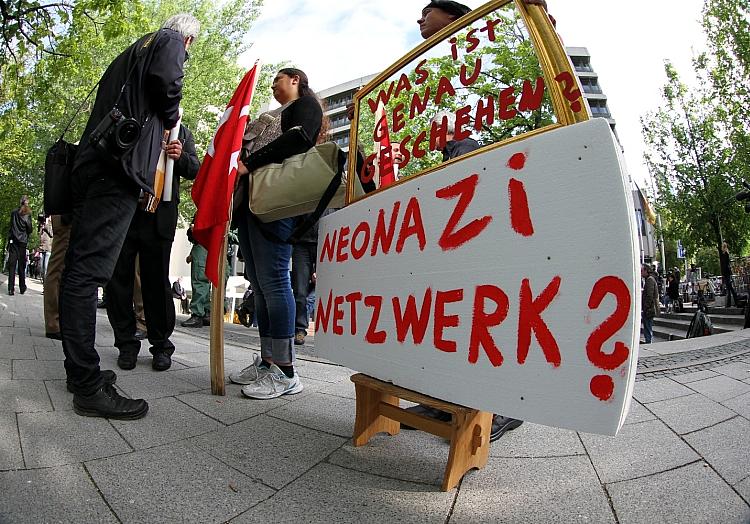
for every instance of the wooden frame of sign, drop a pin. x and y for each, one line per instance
(468, 431)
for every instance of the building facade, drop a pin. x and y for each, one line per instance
(335, 100)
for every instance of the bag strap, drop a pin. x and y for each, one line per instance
(77, 111)
(328, 195)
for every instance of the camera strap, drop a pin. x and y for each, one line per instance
(77, 112)
(138, 56)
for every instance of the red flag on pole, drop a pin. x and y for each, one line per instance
(384, 165)
(214, 184)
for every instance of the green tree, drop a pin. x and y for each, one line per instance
(727, 26)
(38, 100)
(693, 163)
(507, 62)
(31, 28)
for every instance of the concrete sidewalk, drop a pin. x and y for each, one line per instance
(681, 457)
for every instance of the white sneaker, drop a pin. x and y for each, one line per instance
(251, 373)
(273, 384)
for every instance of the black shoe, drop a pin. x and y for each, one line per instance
(23, 291)
(437, 414)
(127, 359)
(11, 292)
(501, 424)
(101, 304)
(206, 320)
(107, 403)
(140, 334)
(109, 377)
(193, 322)
(54, 336)
(161, 361)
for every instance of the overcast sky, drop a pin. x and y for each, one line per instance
(335, 41)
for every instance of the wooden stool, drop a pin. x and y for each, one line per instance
(468, 431)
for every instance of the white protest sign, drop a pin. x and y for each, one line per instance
(507, 282)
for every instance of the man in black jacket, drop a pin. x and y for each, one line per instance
(18, 239)
(150, 238)
(116, 162)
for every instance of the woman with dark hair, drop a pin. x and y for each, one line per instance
(273, 137)
(18, 238)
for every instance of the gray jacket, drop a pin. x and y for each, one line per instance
(650, 297)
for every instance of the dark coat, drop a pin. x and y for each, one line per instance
(20, 227)
(650, 297)
(184, 167)
(726, 269)
(152, 96)
(456, 148)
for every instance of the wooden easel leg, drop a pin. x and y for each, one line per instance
(470, 446)
(368, 420)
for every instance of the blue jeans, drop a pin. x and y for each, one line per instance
(648, 328)
(267, 270)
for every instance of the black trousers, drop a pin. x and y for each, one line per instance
(303, 266)
(731, 293)
(154, 250)
(16, 255)
(104, 204)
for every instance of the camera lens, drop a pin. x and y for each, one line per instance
(127, 133)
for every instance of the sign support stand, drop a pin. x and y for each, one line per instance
(468, 431)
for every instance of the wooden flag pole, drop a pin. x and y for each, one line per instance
(216, 344)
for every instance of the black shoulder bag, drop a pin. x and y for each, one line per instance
(58, 165)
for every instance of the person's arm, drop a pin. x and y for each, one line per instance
(164, 78)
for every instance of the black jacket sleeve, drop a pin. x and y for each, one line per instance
(164, 77)
(187, 165)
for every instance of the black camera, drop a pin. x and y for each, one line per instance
(116, 134)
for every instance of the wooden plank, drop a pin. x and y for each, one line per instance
(430, 425)
(216, 344)
(406, 394)
(470, 446)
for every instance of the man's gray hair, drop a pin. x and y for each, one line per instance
(185, 24)
(438, 119)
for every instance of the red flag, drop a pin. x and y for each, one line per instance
(384, 164)
(214, 184)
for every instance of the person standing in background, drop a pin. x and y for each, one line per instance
(649, 302)
(61, 229)
(18, 239)
(726, 275)
(45, 245)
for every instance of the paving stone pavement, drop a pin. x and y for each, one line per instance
(682, 455)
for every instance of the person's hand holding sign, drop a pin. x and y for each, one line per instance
(174, 149)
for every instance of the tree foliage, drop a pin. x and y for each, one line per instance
(38, 100)
(506, 63)
(698, 141)
(31, 27)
